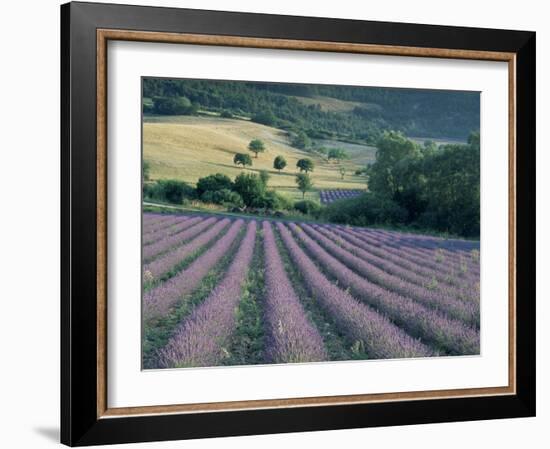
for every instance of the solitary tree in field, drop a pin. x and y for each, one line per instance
(256, 146)
(242, 159)
(305, 165)
(342, 171)
(279, 163)
(304, 182)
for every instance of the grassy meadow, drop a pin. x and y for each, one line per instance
(190, 147)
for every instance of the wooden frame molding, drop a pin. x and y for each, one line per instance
(106, 35)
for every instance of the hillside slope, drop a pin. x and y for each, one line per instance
(188, 148)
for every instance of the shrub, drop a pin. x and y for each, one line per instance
(212, 183)
(264, 177)
(226, 114)
(173, 106)
(275, 201)
(265, 118)
(242, 159)
(366, 209)
(224, 196)
(308, 207)
(170, 190)
(301, 140)
(250, 188)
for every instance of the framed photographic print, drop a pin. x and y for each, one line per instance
(277, 224)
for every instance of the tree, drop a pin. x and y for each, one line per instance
(173, 106)
(279, 163)
(265, 118)
(251, 189)
(146, 170)
(301, 140)
(304, 182)
(453, 186)
(305, 164)
(243, 159)
(337, 154)
(342, 171)
(264, 177)
(256, 146)
(211, 183)
(394, 157)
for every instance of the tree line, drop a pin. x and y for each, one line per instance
(423, 186)
(415, 112)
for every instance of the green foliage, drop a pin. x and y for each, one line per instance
(322, 150)
(274, 201)
(264, 118)
(256, 146)
(394, 151)
(366, 210)
(453, 203)
(173, 106)
(213, 183)
(337, 154)
(242, 159)
(300, 140)
(247, 343)
(223, 196)
(416, 112)
(305, 164)
(439, 188)
(279, 163)
(251, 189)
(264, 177)
(145, 170)
(304, 183)
(226, 114)
(169, 190)
(308, 207)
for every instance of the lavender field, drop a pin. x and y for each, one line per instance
(233, 291)
(329, 196)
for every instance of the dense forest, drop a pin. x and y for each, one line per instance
(414, 112)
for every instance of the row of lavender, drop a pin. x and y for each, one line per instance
(328, 196)
(394, 295)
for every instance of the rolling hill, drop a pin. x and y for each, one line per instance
(190, 147)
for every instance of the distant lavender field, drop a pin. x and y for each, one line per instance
(329, 196)
(233, 291)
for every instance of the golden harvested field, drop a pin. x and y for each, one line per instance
(188, 148)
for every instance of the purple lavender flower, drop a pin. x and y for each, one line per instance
(180, 225)
(465, 311)
(163, 264)
(291, 336)
(203, 337)
(430, 325)
(159, 300)
(160, 222)
(173, 241)
(379, 337)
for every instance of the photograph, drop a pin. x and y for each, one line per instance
(301, 223)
